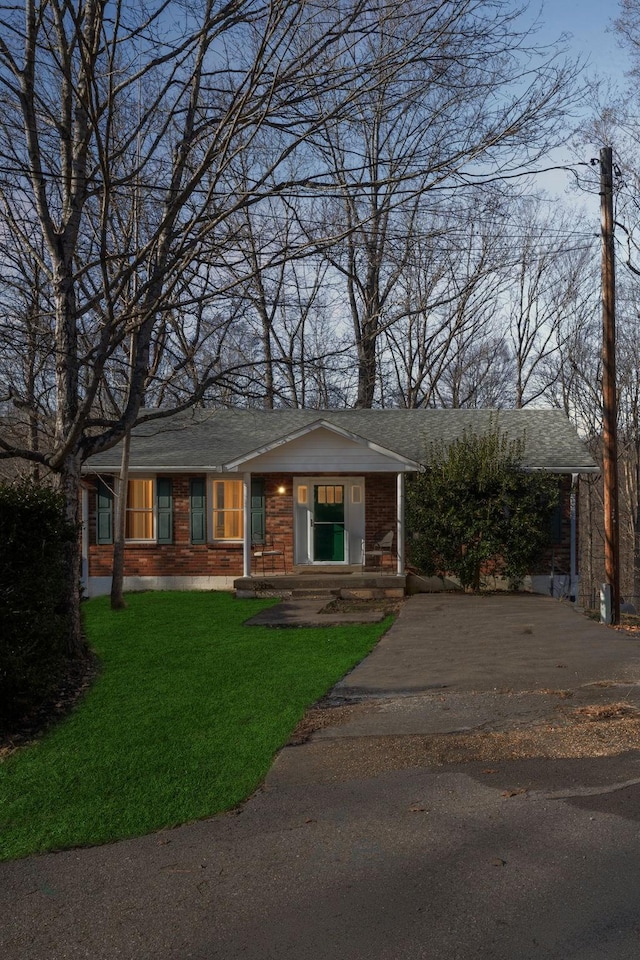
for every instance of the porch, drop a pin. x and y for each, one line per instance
(310, 582)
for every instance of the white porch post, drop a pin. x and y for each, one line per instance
(400, 521)
(246, 500)
(573, 568)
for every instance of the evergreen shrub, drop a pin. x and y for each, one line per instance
(33, 620)
(476, 510)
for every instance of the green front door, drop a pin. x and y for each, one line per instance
(328, 523)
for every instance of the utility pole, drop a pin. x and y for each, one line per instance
(609, 402)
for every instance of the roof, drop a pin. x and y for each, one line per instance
(218, 440)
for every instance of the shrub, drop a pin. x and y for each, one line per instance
(33, 620)
(476, 509)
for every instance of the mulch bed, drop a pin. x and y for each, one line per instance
(79, 676)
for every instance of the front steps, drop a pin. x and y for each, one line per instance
(346, 586)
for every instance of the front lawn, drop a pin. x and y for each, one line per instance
(183, 722)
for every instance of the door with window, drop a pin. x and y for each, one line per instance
(328, 523)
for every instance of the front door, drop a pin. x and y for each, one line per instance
(328, 523)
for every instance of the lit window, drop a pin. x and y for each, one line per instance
(329, 494)
(228, 513)
(139, 524)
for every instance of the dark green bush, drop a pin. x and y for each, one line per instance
(33, 619)
(476, 510)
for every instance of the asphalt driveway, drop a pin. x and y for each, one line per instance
(374, 839)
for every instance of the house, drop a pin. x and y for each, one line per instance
(214, 495)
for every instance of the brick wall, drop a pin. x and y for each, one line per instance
(182, 558)
(178, 559)
(379, 507)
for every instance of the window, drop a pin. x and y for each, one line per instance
(228, 513)
(139, 523)
(149, 510)
(329, 494)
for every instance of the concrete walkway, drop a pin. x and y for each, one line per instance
(361, 844)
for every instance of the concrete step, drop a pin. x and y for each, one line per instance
(349, 587)
(311, 594)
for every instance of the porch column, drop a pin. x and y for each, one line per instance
(246, 502)
(400, 521)
(573, 568)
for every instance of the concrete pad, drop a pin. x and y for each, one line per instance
(489, 643)
(308, 613)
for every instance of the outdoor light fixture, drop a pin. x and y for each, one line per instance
(281, 490)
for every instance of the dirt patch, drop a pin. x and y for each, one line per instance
(597, 713)
(322, 715)
(388, 605)
(356, 757)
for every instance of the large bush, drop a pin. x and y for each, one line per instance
(33, 620)
(476, 509)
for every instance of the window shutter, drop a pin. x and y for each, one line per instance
(104, 513)
(258, 526)
(198, 511)
(164, 500)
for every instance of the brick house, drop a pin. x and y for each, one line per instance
(214, 495)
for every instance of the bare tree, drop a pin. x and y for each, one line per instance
(104, 104)
(459, 92)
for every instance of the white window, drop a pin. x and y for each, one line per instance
(228, 511)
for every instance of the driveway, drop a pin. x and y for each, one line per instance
(389, 835)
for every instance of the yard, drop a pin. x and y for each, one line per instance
(183, 721)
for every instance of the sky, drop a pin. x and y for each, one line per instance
(591, 38)
(590, 24)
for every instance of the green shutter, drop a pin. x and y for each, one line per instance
(164, 500)
(198, 511)
(104, 513)
(258, 526)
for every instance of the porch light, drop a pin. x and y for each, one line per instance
(281, 490)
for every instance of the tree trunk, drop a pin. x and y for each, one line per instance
(69, 482)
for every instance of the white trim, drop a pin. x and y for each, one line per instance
(218, 469)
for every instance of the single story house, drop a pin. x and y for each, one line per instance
(214, 494)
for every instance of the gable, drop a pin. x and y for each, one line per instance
(322, 450)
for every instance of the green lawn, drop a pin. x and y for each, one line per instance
(183, 722)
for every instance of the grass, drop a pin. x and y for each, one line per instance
(183, 722)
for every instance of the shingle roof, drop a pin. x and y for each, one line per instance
(211, 439)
